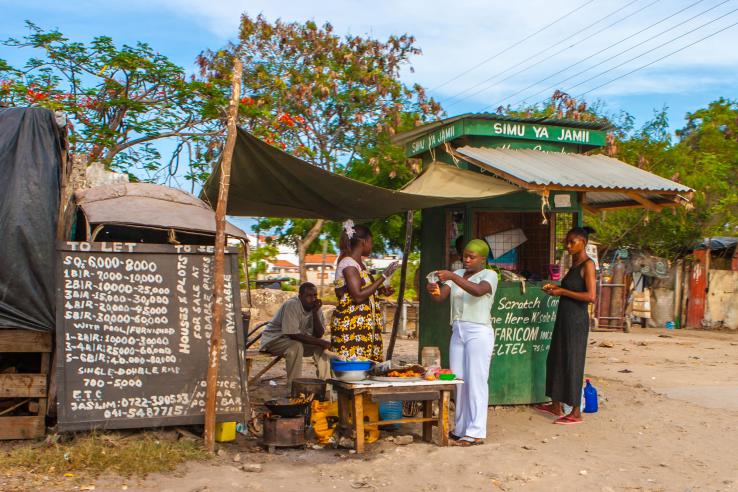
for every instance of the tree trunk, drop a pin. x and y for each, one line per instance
(305, 243)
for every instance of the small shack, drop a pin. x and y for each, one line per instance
(557, 179)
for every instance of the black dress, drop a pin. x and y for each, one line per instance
(565, 363)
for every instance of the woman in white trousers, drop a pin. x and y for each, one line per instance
(472, 292)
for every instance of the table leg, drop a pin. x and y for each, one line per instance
(428, 426)
(443, 417)
(358, 401)
(343, 413)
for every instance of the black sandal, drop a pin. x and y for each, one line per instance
(453, 436)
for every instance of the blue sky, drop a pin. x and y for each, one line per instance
(457, 36)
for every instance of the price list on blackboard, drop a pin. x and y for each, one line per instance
(133, 329)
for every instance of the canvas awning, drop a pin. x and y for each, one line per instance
(149, 205)
(606, 182)
(443, 180)
(267, 182)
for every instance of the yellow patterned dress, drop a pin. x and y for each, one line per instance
(356, 328)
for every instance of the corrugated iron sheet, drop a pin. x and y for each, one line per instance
(570, 170)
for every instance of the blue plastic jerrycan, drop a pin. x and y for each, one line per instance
(590, 398)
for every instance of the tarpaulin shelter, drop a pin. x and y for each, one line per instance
(268, 182)
(31, 155)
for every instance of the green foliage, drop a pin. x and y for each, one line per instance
(259, 257)
(119, 99)
(413, 267)
(321, 97)
(705, 158)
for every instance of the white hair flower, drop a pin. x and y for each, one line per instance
(348, 227)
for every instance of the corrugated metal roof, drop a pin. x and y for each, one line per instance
(598, 172)
(409, 135)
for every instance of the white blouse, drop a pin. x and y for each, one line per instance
(466, 307)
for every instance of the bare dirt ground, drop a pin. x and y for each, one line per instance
(668, 421)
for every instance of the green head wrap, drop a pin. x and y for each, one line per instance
(479, 247)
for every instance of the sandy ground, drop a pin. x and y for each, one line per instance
(668, 421)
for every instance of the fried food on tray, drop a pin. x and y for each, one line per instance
(405, 374)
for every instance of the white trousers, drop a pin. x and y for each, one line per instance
(470, 354)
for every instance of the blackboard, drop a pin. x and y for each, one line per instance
(523, 324)
(133, 331)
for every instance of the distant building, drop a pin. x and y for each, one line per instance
(313, 265)
(281, 269)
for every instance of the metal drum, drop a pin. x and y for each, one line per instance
(283, 432)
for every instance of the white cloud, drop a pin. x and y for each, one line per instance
(457, 35)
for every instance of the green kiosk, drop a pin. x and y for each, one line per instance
(549, 161)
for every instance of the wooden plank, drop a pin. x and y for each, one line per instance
(43, 402)
(428, 426)
(23, 385)
(22, 427)
(406, 420)
(443, 418)
(24, 341)
(358, 407)
(644, 201)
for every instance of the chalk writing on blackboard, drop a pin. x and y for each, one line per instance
(134, 326)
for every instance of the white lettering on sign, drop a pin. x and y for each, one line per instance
(132, 326)
(432, 140)
(570, 135)
(541, 131)
(509, 129)
(523, 324)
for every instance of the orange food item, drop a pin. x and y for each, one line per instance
(406, 374)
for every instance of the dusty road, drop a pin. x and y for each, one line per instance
(668, 421)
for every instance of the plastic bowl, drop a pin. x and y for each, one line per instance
(345, 365)
(447, 377)
(349, 376)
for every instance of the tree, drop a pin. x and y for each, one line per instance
(704, 158)
(120, 101)
(259, 259)
(317, 95)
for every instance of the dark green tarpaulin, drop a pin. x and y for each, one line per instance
(267, 182)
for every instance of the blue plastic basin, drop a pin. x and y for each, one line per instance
(341, 365)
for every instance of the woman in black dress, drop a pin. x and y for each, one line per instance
(565, 364)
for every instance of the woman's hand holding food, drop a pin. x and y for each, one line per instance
(444, 275)
(433, 289)
(552, 289)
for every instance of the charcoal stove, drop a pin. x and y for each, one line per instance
(283, 432)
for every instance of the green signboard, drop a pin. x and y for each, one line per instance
(523, 324)
(507, 130)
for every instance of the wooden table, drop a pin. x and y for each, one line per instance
(351, 403)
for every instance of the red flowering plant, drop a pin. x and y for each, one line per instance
(120, 100)
(318, 95)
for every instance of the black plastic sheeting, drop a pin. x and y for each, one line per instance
(30, 164)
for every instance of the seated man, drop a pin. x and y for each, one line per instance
(296, 331)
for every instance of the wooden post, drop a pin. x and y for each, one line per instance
(403, 279)
(219, 260)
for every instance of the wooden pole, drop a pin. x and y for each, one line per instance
(403, 281)
(219, 260)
